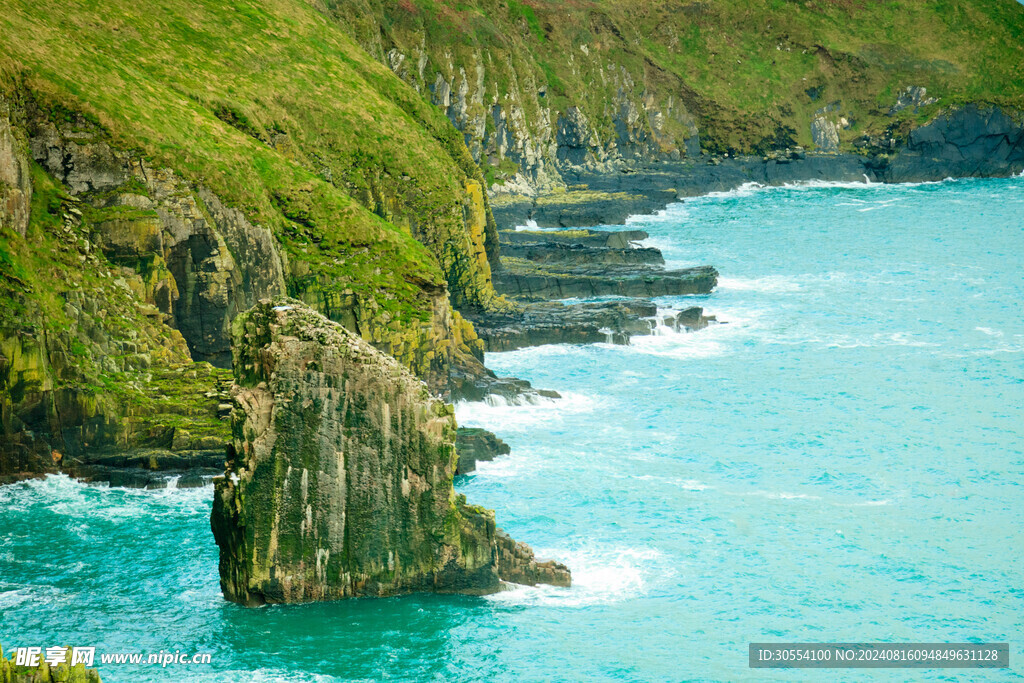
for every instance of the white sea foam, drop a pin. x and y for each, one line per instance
(530, 225)
(865, 504)
(716, 340)
(769, 284)
(11, 598)
(66, 496)
(516, 417)
(600, 575)
(776, 495)
(685, 484)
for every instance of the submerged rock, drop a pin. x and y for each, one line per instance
(340, 484)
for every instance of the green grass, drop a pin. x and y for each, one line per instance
(56, 299)
(184, 83)
(741, 69)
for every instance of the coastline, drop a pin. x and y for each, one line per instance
(973, 141)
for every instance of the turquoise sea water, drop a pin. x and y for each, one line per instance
(842, 461)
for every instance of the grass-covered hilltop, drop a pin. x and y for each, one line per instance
(545, 91)
(164, 166)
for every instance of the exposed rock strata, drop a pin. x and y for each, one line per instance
(972, 141)
(341, 480)
(579, 254)
(595, 239)
(553, 322)
(584, 263)
(477, 445)
(612, 322)
(534, 283)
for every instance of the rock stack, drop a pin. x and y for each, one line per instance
(340, 480)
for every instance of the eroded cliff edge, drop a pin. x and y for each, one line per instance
(584, 113)
(340, 483)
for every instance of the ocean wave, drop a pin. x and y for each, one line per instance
(600, 576)
(684, 484)
(498, 413)
(775, 495)
(63, 495)
(770, 284)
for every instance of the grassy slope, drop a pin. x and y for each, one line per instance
(72, 323)
(743, 68)
(275, 109)
(263, 102)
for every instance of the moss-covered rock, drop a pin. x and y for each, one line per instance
(11, 672)
(341, 479)
(544, 88)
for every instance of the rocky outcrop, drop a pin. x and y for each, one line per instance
(43, 672)
(562, 264)
(15, 176)
(594, 239)
(579, 254)
(579, 207)
(913, 96)
(553, 322)
(584, 263)
(516, 564)
(477, 445)
(341, 479)
(967, 142)
(612, 322)
(203, 262)
(689, 320)
(151, 468)
(531, 282)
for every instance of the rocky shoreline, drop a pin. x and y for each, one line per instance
(973, 141)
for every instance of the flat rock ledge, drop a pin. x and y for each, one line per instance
(542, 265)
(553, 322)
(339, 480)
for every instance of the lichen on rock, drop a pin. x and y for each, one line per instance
(340, 483)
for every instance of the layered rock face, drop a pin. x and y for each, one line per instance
(539, 265)
(590, 263)
(477, 445)
(341, 479)
(15, 177)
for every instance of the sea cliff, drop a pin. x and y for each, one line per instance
(340, 478)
